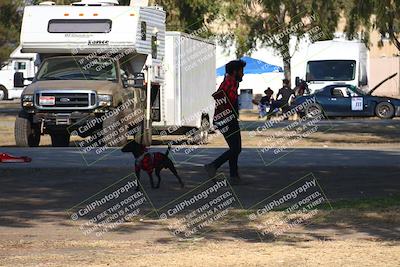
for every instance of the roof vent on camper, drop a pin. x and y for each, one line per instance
(139, 3)
(96, 3)
(47, 3)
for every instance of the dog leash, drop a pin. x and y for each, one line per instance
(7, 158)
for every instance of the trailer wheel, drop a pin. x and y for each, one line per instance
(3, 93)
(60, 139)
(26, 134)
(384, 110)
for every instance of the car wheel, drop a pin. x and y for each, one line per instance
(384, 110)
(313, 111)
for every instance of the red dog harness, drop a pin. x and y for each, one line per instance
(148, 161)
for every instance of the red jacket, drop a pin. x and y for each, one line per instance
(226, 98)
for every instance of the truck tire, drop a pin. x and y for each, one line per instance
(3, 93)
(112, 136)
(384, 110)
(60, 139)
(26, 134)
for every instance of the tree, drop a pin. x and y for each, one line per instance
(381, 15)
(10, 23)
(270, 23)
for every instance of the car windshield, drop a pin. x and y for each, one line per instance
(356, 91)
(331, 70)
(77, 68)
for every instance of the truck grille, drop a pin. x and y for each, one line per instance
(68, 100)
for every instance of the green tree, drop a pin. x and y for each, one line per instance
(10, 23)
(381, 15)
(271, 23)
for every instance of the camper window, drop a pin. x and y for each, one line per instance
(77, 68)
(79, 26)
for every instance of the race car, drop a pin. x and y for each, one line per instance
(344, 100)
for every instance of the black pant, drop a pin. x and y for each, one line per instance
(231, 132)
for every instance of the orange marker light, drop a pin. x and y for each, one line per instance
(95, 14)
(81, 15)
(132, 14)
(66, 14)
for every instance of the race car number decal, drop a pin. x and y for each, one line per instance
(357, 103)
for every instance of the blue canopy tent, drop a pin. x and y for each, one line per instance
(253, 66)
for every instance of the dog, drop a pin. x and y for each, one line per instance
(149, 161)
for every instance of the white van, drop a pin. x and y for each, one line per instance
(18, 62)
(334, 61)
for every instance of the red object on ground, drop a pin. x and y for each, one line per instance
(6, 158)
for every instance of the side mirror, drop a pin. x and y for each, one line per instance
(136, 80)
(297, 82)
(19, 80)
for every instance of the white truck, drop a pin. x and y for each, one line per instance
(95, 56)
(334, 61)
(18, 62)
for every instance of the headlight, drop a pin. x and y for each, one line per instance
(104, 100)
(27, 100)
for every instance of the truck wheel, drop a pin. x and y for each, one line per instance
(26, 133)
(60, 139)
(112, 136)
(384, 110)
(3, 93)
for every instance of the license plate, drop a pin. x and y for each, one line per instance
(47, 100)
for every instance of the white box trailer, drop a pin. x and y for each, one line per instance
(190, 77)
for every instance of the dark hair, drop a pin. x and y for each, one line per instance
(234, 65)
(285, 81)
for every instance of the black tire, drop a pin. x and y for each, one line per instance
(384, 110)
(4, 95)
(113, 137)
(26, 134)
(314, 110)
(60, 139)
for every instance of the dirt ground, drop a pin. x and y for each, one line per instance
(332, 240)
(35, 229)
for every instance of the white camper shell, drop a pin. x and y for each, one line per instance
(97, 29)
